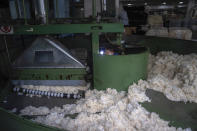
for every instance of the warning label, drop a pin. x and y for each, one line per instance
(6, 30)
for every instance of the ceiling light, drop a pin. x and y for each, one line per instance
(145, 3)
(164, 3)
(180, 2)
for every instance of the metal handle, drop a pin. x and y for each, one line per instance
(30, 30)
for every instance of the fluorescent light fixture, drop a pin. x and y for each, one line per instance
(129, 4)
(181, 2)
(164, 3)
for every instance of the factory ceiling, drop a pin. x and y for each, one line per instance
(4, 4)
(155, 2)
(181, 3)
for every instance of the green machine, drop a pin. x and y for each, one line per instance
(109, 71)
(48, 63)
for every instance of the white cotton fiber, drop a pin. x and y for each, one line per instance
(174, 75)
(119, 112)
(30, 110)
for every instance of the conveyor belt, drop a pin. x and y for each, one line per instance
(179, 114)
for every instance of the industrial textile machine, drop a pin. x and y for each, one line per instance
(48, 67)
(47, 63)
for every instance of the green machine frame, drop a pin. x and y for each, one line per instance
(94, 29)
(19, 123)
(132, 67)
(77, 74)
(108, 71)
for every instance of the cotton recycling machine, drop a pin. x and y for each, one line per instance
(48, 62)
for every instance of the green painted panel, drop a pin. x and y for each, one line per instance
(49, 74)
(68, 28)
(119, 71)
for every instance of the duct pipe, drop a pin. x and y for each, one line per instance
(190, 7)
(42, 11)
(94, 11)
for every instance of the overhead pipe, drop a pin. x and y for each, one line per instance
(94, 13)
(190, 7)
(42, 11)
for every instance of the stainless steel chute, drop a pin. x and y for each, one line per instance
(47, 53)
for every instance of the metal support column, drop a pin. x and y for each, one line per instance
(94, 8)
(95, 50)
(190, 6)
(24, 10)
(95, 42)
(119, 38)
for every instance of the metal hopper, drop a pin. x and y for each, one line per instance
(47, 53)
(48, 66)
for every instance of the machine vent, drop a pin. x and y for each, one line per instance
(45, 57)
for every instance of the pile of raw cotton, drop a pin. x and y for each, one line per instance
(174, 75)
(104, 111)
